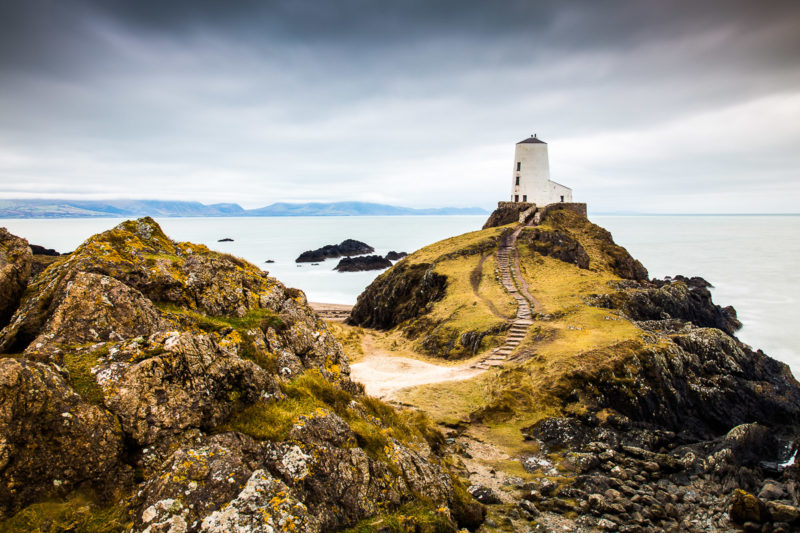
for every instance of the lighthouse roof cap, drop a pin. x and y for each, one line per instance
(532, 139)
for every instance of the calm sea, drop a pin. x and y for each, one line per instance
(752, 261)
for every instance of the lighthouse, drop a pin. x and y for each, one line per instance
(531, 181)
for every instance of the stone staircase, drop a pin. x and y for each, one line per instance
(508, 266)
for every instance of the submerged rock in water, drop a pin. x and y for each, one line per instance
(346, 248)
(361, 263)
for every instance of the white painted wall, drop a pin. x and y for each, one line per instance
(531, 183)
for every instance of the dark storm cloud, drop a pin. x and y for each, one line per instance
(410, 102)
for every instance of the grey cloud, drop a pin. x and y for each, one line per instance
(403, 101)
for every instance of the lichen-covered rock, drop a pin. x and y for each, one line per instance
(265, 505)
(95, 308)
(107, 288)
(746, 507)
(189, 381)
(15, 269)
(323, 428)
(50, 439)
(346, 485)
(203, 477)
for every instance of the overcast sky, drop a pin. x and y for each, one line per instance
(647, 105)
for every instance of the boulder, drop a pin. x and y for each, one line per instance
(94, 308)
(746, 507)
(781, 512)
(51, 440)
(203, 477)
(15, 269)
(264, 505)
(484, 495)
(191, 381)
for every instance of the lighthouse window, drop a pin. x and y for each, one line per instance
(519, 164)
(517, 180)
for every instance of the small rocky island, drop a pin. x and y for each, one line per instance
(362, 263)
(395, 256)
(346, 248)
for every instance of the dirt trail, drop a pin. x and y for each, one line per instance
(383, 373)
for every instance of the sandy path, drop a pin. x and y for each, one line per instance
(383, 373)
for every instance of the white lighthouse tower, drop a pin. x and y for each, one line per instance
(531, 178)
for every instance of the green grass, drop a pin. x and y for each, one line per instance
(79, 512)
(79, 363)
(308, 393)
(411, 518)
(255, 318)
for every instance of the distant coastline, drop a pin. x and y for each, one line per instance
(47, 208)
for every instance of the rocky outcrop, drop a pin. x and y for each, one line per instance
(116, 312)
(700, 384)
(664, 300)
(406, 291)
(362, 263)
(190, 391)
(190, 382)
(15, 268)
(557, 244)
(614, 257)
(51, 440)
(183, 275)
(346, 248)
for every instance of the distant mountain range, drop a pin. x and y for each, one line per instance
(139, 208)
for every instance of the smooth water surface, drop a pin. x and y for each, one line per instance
(751, 260)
